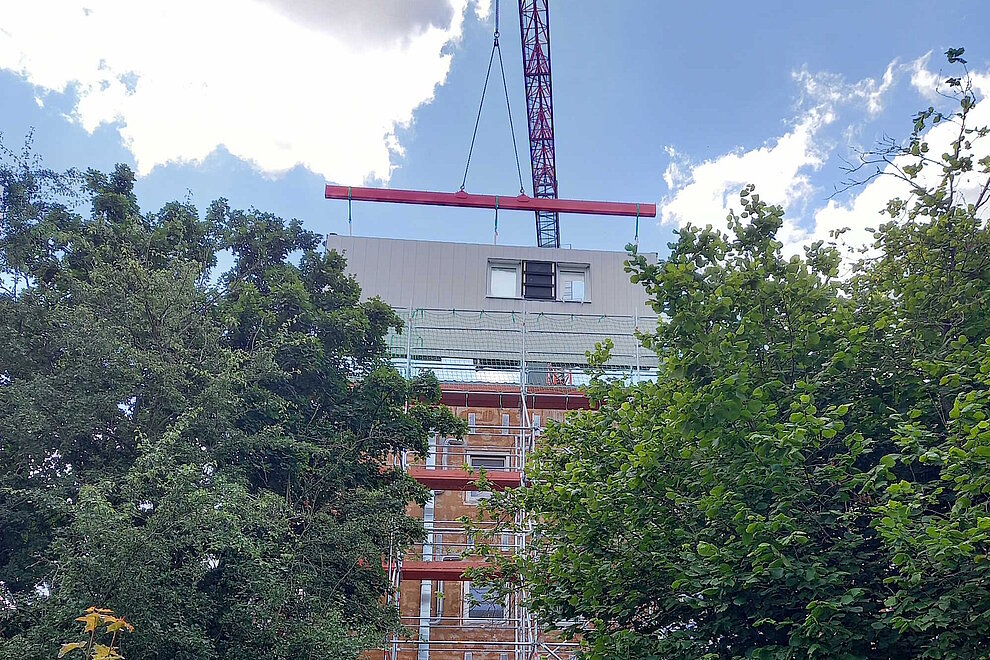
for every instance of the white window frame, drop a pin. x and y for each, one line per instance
(563, 271)
(475, 496)
(515, 266)
(466, 612)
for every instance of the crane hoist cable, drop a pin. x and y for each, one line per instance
(496, 49)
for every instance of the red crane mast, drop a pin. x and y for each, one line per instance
(534, 28)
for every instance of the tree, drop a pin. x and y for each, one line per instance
(204, 452)
(930, 291)
(808, 476)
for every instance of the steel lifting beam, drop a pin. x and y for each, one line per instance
(509, 203)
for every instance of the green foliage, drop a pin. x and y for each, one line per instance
(204, 451)
(809, 474)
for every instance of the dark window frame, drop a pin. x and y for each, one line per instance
(539, 280)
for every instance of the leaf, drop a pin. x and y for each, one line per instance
(91, 621)
(954, 55)
(706, 549)
(104, 652)
(71, 646)
(119, 624)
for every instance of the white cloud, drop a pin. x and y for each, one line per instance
(368, 22)
(923, 79)
(276, 84)
(781, 169)
(703, 193)
(831, 89)
(482, 9)
(864, 210)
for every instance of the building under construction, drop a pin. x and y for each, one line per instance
(506, 331)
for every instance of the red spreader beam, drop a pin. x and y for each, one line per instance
(451, 571)
(447, 479)
(510, 203)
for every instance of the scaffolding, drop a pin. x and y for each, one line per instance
(528, 358)
(505, 630)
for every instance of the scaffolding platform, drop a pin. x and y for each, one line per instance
(446, 571)
(462, 480)
(484, 395)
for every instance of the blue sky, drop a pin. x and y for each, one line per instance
(676, 103)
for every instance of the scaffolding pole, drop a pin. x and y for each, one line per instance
(635, 330)
(409, 331)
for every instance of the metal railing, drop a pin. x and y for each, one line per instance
(489, 447)
(519, 348)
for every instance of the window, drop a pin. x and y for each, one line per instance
(472, 422)
(572, 285)
(538, 280)
(483, 462)
(488, 364)
(487, 461)
(505, 423)
(502, 281)
(482, 604)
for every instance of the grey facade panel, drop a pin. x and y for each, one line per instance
(438, 275)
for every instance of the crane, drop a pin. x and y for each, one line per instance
(534, 30)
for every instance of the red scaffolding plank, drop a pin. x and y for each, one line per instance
(460, 479)
(484, 395)
(438, 570)
(510, 203)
